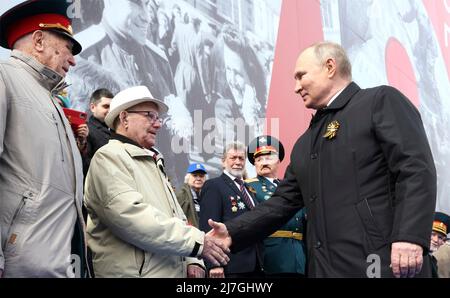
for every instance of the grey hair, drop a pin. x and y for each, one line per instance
(186, 178)
(326, 49)
(23, 42)
(238, 146)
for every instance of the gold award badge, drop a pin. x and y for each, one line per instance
(332, 129)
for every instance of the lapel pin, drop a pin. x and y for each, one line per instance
(332, 129)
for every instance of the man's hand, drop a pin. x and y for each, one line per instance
(220, 231)
(81, 134)
(216, 273)
(216, 246)
(195, 271)
(82, 131)
(406, 259)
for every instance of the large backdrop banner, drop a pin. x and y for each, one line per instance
(402, 43)
(210, 61)
(225, 67)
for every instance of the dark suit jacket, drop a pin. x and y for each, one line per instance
(373, 184)
(216, 202)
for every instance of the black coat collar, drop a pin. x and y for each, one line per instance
(345, 96)
(97, 123)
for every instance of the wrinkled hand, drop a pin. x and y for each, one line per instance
(215, 247)
(217, 272)
(406, 259)
(195, 271)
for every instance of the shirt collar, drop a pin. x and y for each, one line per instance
(270, 179)
(335, 96)
(229, 175)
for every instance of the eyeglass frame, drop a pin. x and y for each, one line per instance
(152, 116)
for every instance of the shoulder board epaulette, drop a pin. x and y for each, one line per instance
(251, 180)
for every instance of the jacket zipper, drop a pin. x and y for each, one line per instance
(16, 214)
(59, 137)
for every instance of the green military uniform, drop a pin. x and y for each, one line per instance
(284, 251)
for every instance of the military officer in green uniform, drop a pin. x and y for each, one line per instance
(439, 232)
(284, 250)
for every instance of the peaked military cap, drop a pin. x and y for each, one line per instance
(29, 16)
(264, 145)
(441, 223)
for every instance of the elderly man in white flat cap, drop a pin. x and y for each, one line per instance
(136, 227)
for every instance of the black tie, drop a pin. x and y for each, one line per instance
(245, 195)
(276, 182)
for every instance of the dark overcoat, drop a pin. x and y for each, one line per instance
(371, 184)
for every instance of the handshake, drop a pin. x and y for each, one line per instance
(217, 244)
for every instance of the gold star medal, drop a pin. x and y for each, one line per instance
(332, 129)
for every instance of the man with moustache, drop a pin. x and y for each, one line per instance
(284, 250)
(136, 228)
(227, 197)
(439, 232)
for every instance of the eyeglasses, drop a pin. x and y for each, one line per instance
(152, 116)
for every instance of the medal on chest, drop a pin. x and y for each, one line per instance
(234, 207)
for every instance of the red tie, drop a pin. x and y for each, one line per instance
(248, 201)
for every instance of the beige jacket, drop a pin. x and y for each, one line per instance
(135, 227)
(41, 178)
(442, 256)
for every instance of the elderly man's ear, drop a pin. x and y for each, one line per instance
(124, 119)
(38, 40)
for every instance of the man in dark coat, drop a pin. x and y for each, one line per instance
(363, 169)
(224, 198)
(98, 130)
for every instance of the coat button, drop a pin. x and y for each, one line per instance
(318, 244)
(312, 198)
(314, 156)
